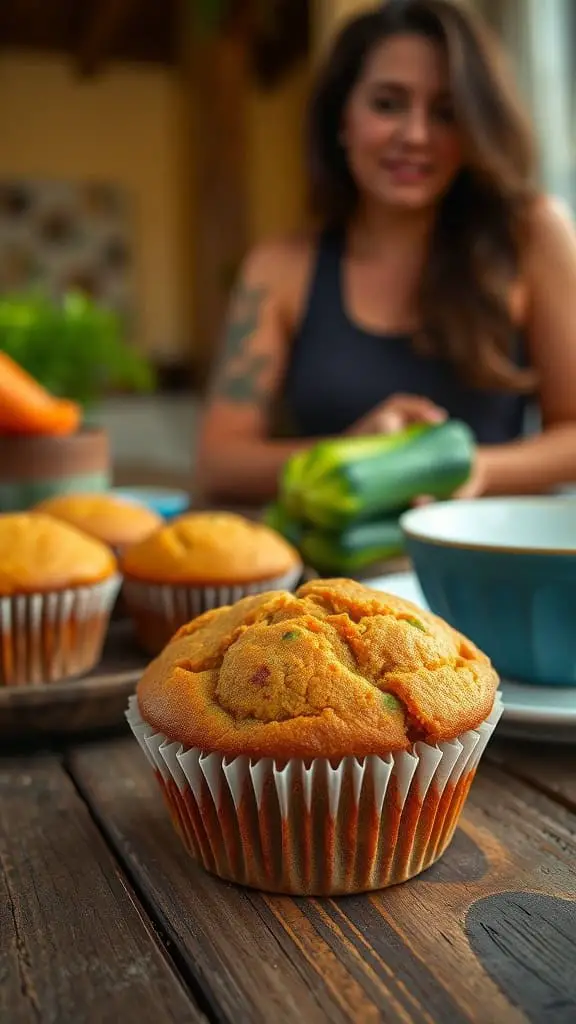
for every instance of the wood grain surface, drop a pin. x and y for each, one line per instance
(73, 944)
(448, 947)
(551, 769)
(221, 931)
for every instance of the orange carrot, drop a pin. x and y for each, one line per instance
(28, 408)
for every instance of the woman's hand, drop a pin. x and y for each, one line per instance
(395, 414)
(399, 412)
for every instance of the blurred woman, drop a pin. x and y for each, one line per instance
(439, 284)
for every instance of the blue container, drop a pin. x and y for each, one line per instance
(165, 501)
(503, 572)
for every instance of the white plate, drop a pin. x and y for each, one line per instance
(542, 712)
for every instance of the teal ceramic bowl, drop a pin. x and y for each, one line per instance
(503, 572)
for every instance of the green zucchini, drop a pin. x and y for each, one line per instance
(346, 480)
(296, 469)
(276, 516)
(344, 552)
(354, 548)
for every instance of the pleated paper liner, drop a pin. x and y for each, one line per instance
(47, 638)
(159, 610)
(316, 828)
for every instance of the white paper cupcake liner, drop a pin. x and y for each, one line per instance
(315, 828)
(159, 610)
(46, 638)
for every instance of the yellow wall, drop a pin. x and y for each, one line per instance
(121, 126)
(329, 15)
(131, 125)
(276, 181)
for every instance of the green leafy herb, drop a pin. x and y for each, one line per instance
(292, 634)
(75, 347)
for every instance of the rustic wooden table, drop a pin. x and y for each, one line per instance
(105, 918)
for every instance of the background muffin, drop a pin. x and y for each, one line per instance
(200, 561)
(57, 587)
(113, 520)
(345, 727)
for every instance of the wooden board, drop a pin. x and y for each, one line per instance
(93, 703)
(489, 934)
(74, 946)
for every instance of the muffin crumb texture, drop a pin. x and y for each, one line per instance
(336, 669)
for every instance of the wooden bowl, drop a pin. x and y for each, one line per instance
(35, 468)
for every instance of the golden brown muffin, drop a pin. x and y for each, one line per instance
(104, 516)
(289, 694)
(335, 670)
(39, 554)
(210, 548)
(57, 589)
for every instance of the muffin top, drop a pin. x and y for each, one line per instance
(210, 548)
(334, 670)
(104, 516)
(40, 554)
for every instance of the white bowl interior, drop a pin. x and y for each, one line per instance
(545, 524)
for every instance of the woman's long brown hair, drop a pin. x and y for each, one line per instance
(477, 242)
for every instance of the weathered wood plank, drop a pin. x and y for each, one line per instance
(250, 969)
(74, 946)
(474, 925)
(426, 951)
(551, 769)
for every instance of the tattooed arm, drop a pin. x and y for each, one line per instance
(236, 459)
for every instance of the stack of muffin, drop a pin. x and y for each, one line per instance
(63, 563)
(317, 742)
